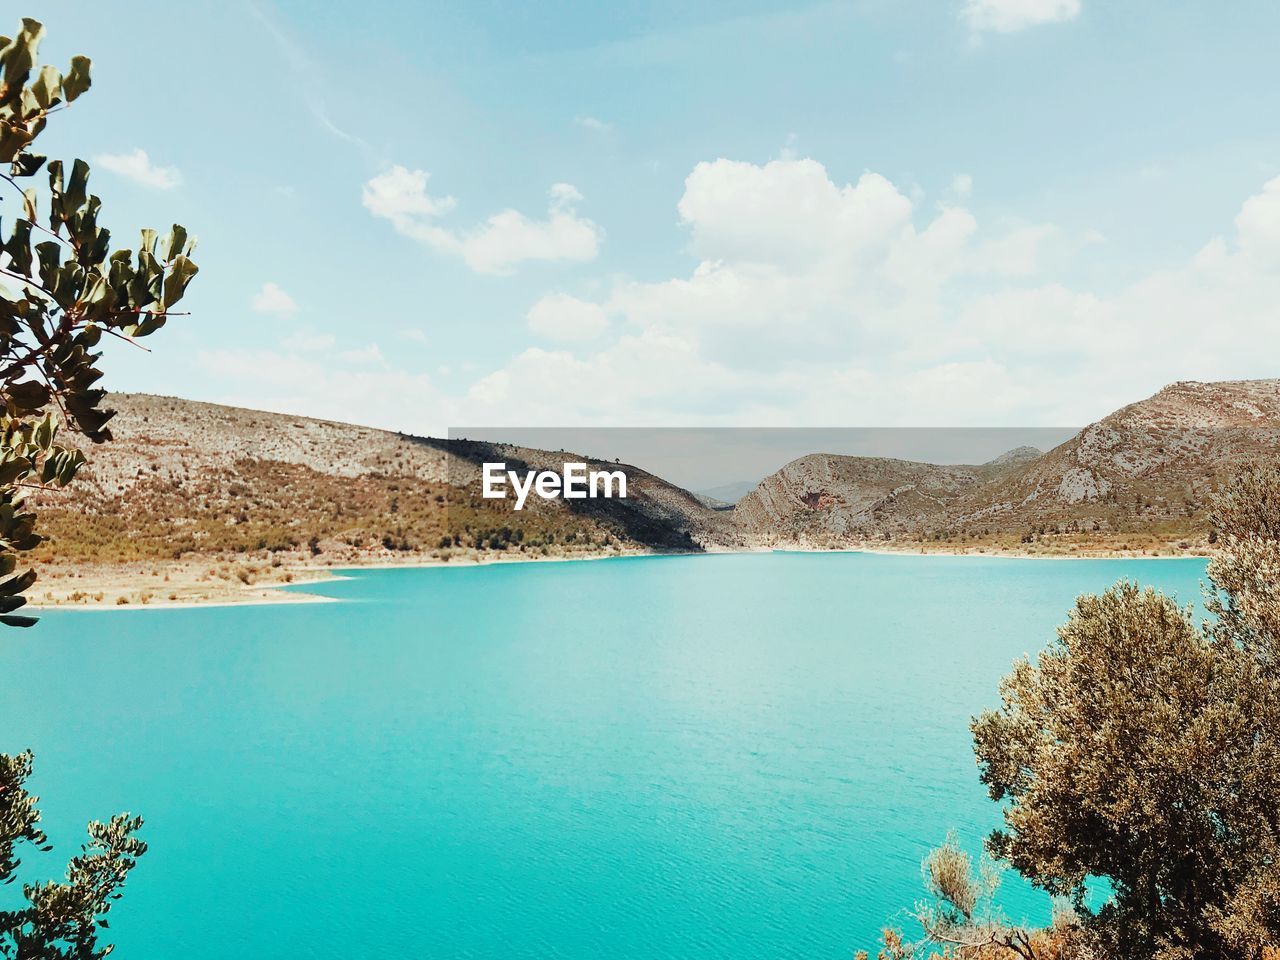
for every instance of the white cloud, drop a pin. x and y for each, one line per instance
(795, 264)
(889, 322)
(272, 299)
(564, 195)
(1258, 225)
(400, 195)
(1010, 16)
(137, 166)
(323, 386)
(559, 316)
(812, 302)
(593, 124)
(652, 376)
(370, 355)
(505, 239)
(309, 341)
(787, 211)
(962, 185)
(1017, 253)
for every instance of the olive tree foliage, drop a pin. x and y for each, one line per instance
(62, 289)
(1144, 748)
(1246, 574)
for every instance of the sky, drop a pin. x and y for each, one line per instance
(428, 216)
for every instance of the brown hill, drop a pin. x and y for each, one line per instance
(1151, 463)
(826, 500)
(1135, 480)
(246, 493)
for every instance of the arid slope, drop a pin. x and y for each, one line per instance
(244, 497)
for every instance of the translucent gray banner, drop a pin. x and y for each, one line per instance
(578, 492)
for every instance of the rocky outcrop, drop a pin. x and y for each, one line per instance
(824, 499)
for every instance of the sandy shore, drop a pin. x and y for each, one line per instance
(195, 583)
(144, 587)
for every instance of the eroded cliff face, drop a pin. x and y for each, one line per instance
(825, 499)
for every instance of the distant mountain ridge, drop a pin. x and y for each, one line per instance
(1023, 454)
(728, 493)
(830, 499)
(186, 479)
(1145, 469)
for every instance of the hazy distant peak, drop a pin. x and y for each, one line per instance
(1023, 454)
(726, 493)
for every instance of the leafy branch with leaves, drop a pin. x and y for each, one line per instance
(62, 289)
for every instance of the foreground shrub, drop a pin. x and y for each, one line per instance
(959, 918)
(64, 288)
(1144, 749)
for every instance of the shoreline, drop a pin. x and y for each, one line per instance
(1113, 555)
(274, 593)
(93, 586)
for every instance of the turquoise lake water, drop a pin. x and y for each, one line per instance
(727, 756)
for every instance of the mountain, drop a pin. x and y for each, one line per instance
(1016, 456)
(1147, 467)
(199, 494)
(826, 500)
(655, 514)
(1137, 479)
(830, 500)
(727, 494)
(187, 480)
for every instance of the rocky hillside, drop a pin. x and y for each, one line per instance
(1153, 461)
(187, 479)
(1138, 478)
(826, 500)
